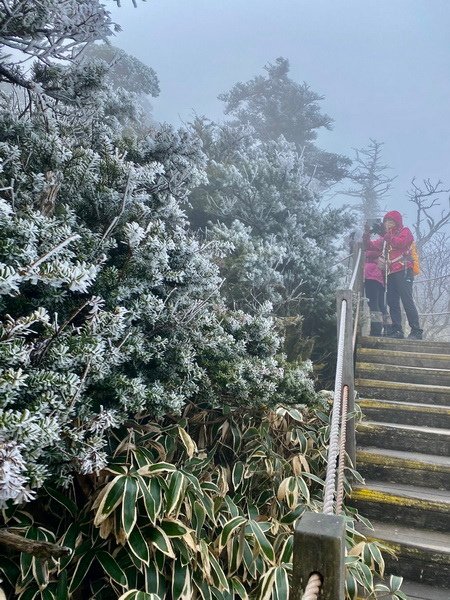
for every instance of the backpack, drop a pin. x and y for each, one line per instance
(415, 259)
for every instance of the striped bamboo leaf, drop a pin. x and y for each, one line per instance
(228, 531)
(263, 543)
(188, 442)
(81, 570)
(156, 469)
(112, 497)
(175, 492)
(174, 528)
(160, 540)
(138, 545)
(111, 567)
(129, 506)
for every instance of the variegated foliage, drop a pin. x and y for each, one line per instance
(199, 507)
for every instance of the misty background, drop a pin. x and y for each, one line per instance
(382, 67)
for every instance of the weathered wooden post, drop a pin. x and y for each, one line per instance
(319, 547)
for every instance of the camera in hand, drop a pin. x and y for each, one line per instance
(377, 228)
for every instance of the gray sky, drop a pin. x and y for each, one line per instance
(382, 65)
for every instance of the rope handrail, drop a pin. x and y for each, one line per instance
(333, 449)
(356, 269)
(334, 480)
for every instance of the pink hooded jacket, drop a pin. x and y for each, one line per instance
(398, 244)
(371, 267)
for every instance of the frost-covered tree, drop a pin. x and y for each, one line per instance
(275, 105)
(284, 240)
(111, 307)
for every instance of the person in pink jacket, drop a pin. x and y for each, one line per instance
(375, 292)
(395, 257)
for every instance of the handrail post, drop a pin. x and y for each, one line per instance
(348, 368)
(319, 547)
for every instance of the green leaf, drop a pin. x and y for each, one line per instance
(263, 543)
(159, 539)
(175, 492)
(156, 469)
(81, 570)
(10, 570)
(40, 572)
(174, 528)
(238, 474)
(137, 595)
(111, 567)
(304, 489)
(198, 517)
(218, 575)
(129, 507)
(62, 591)
(181, 578)
(287, 549)
(267, 584)
(111, 499)
(239, 589)
(281, 586)
(228, 530)
(138, 545)
(395, 582)
(293, 515)
(352, 587)
(67, 503)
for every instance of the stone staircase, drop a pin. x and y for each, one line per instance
(403, 452)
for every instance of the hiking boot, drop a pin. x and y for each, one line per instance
(376, 327)
(416, 334)
(395, 333)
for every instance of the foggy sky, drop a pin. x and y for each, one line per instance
(382, 65)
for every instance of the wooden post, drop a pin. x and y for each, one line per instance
(319, 547)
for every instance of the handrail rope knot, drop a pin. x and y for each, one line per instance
(312, 587)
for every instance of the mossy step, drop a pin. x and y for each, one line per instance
(407, 413)
(418, 591)
(406, 345)
(412, 438)
(399, 391)
(422, 556)
(396, 503)
(397, 466)
(406, 374)
(397, 357)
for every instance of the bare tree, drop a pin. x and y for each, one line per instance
(432, 234)
(370, 182)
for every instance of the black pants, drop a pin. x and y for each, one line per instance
(375, 294)
(399, 287)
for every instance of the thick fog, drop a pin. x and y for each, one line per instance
(382, 66)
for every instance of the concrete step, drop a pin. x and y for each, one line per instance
(397, 466)
(412, 438)
(422, 556)
(408, 413)
(409, 392)
(426, 508)
(406, 374)
(418, 591)
(397, 357)
(420, 346)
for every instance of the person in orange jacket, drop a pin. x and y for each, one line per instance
(395, 249)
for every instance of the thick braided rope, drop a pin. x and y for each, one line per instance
(312, 588)
(340, 482)
(333, 450)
